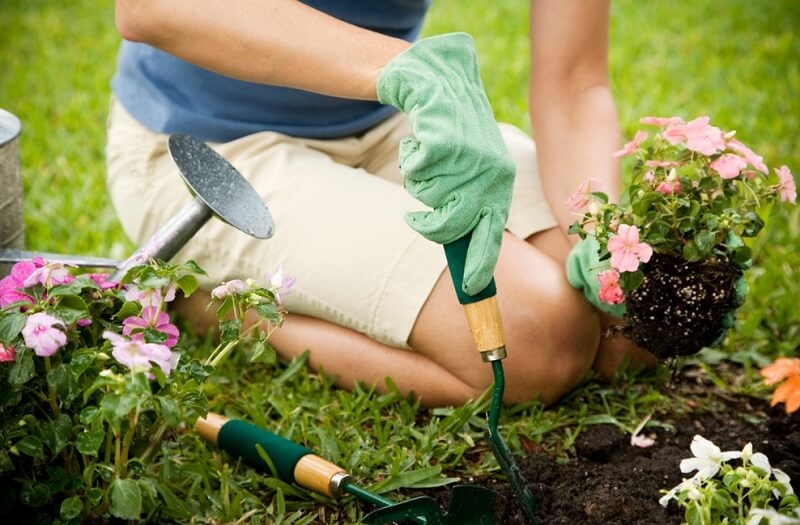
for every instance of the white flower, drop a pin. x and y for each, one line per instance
(708, 458)
(772, 516)
(280, 285)
(686, 484)
(758, 459)
(784, 479)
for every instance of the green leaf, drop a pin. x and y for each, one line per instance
(691, 252)
(64, 382)
(5, 461)
(70, 308)
(71, 508)
(128, 309)
(94, 495)
(89, 441)
(11, 325)
(126, 499)
(230, 330)
(631, 280)
(116, 407)
(705, 241)
(187, 284)
(35, 494)
(22, 370)
(31, 446)
(170, 410)
(268, 311)
(58, 433)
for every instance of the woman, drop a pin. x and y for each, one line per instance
(303, 99)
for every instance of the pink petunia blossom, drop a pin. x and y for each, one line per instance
(41, 333)
(154, 319)
(632, 146)
(49, 275)
(228, 288)
(749, 155)
(138, 355)
(626, 250)
(610, 290)
(280, 285)
(788, 188)
(11, 285)
(7, 353)
(661, 121)
(698, 135)
(729, 165)
(580, 200)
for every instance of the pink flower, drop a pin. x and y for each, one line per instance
(42, 335)
(581, 199)
(633, 145)
(227, 288)
(103, 280)
(150, 296)
(669, 187)
(788, 188)
(749, 155)
(626, 250)
(280, 285)
(154, 319)
(7, 353)
(138, 355)
(610, 290)
(49, 275)
(729, 165)
(698, 135)
(661, 121)
(12, 284)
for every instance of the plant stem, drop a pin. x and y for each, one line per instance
(51, 398)
(154, 441)
(126, 445)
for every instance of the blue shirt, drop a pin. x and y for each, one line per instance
(170, 95)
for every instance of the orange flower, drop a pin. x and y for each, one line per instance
(789, 392)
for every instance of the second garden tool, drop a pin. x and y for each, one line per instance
(294, 463)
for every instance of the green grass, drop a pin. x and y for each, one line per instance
(735, 61)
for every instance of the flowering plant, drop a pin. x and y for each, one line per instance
(694, 196)
(747, 492)
(95, 378)
(786, 369)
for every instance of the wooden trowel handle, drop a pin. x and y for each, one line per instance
(481, 309)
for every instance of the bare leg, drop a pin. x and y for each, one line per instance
(552, 337)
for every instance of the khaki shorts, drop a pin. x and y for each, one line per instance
(338, 208)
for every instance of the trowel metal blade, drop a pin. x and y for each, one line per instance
(220, 186)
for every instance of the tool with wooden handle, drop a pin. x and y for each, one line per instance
(294, 463)
(486, 326)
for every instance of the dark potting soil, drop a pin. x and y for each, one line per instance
(608, 481)
(680, 306)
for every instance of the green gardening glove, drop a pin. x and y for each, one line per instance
(583, 266)
(456, 163)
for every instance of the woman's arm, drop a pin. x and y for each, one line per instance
(279, 42)
(573, 115)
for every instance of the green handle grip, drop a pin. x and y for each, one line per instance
(293, 463)
(242, 439)
(456, 253)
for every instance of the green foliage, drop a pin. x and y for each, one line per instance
(735, 63)
(85, 413)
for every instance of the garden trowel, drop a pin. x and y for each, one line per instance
(294, 463)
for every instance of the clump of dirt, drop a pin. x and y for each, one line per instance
(608, 481)
(680, 306)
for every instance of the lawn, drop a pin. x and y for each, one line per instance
(735, 61)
